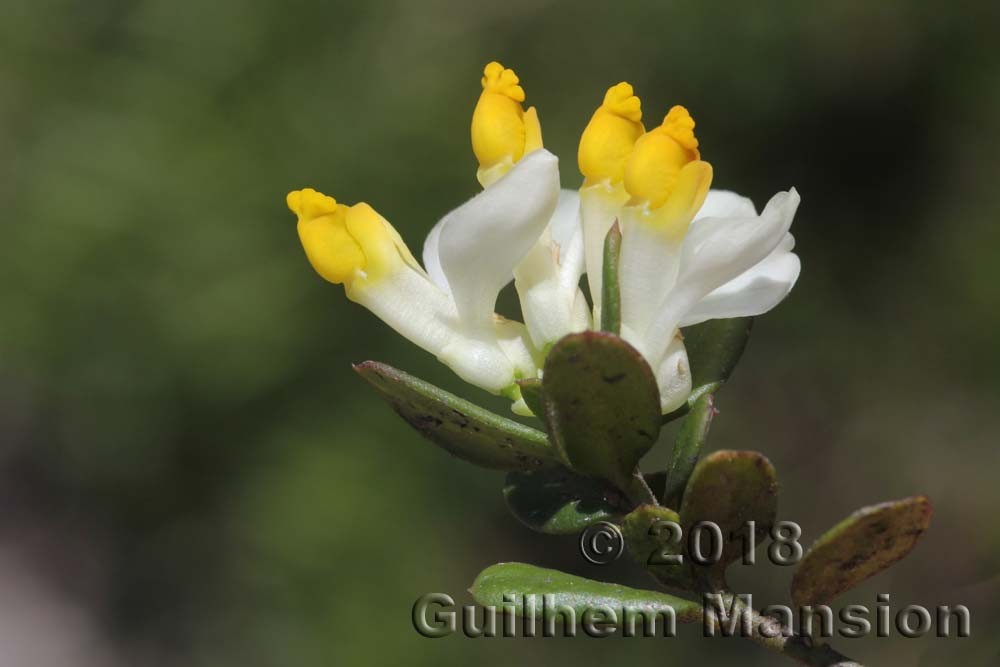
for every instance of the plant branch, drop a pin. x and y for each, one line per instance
(773, 635)
(638, 491)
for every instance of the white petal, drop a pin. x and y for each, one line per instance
(547, 279)
(753, 292)
(600, 206)
(481, 242)
(673, 376)
(432, 262)
(565, 222)
(512, 336)
(423, 313)
(647, 271)
(717, 250)
(725, 204)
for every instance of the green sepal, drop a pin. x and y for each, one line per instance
(557, 501)
(730, 488)
(611, 313)
(687, 448)
(507, 585)
(463, 429)
(655, 540)
(713, 350)
(602, 405)
(531, 392)
(859, 547)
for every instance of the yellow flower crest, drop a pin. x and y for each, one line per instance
(502, 131)
(345, 244)
(659, 158)
(610, 135)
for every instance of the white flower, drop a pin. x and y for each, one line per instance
(688, 254)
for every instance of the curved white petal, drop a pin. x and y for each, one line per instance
(647, 270)
(725, 204)
(565, 222)
(600, 206)
(715, 251)
(547, 279)
(753, 292)
(432, 262)
(481, 241)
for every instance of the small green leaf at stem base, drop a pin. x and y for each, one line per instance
(859, 547)
(654, 539)
(461, 428)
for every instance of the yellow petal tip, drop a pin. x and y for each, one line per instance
(622, 102)
(308, 203)
(503, 81)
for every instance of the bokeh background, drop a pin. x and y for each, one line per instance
(190, 474)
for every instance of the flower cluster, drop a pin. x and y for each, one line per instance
(688, 253)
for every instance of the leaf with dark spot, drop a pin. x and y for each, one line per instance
(463, 429)
(602, 404)
(859, 547)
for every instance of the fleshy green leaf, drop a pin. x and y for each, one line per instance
(512, 584)
(559, 502)
(859, 547)
(611, 315)
(687, 448)
(602, 404)
(462, 428)
(655, 539)
(713, 348)
(730, 488)
(531, 392)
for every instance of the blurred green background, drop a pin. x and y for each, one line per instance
(190, 473)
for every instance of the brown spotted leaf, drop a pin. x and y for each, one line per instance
(859, 547)
(602, 405)
(461, 428)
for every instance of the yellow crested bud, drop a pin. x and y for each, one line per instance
(344, 243)
(658, 157)
(502, 131)
(610, 135)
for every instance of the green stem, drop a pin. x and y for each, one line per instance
(765, 630)
(638, 491)
(772, 635)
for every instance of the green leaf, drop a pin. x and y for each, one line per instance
(531, 392)
(713, 348)
(655, 540)
(602, 404)
(462, 428)
(611, 315)
(687, 448)
(560, 502)
(859, 547)
(512, 584)
(729, 489)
